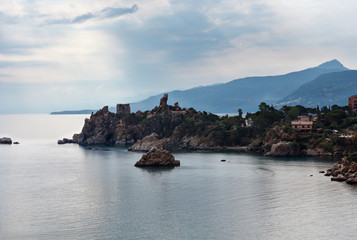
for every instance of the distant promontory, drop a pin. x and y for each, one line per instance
(87, 111)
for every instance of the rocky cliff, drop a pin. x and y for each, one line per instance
(121, 129)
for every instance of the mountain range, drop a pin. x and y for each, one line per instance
(245, 93)
(326, 89)
(327, 84)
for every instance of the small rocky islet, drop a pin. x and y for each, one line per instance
(8, 141)
(157, 158)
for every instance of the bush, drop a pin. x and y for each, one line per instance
(328, 146)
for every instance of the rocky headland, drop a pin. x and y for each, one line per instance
(65, 141)
(267, 131)
(164, 125)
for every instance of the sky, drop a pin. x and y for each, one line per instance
(69, 55)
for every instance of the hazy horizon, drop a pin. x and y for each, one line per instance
(69, 56)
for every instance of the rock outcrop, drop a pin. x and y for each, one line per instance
(163, 103)
(5, 140)
(107, 128)
(148, 143)
(125, 129)
(65, 141)
(277, 143)
(157, 158)
(345, 171)
(282, 149)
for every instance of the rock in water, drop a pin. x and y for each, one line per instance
(65, 141)
(339, 178)
(157, 158)
(5, 140)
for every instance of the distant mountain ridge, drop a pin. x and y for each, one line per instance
(300, 87)
(246, 93)
(327, 89)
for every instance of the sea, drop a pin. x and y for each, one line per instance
(51, 191)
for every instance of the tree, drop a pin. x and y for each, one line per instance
(240, 113)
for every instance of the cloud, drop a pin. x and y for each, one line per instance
(117, 12)
(177, 40)
(167, 45)
(106, 13)
(8, 19)
(83, 18)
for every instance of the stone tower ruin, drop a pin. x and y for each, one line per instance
(123, 109)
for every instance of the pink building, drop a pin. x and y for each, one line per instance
(303, 124)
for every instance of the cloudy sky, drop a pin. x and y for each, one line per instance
(60, 54)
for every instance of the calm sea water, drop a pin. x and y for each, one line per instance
(50, 191)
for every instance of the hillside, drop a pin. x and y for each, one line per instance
(246, 93)
(327, 89)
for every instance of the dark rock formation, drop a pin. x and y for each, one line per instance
(65, 141)
(102, 128)
(123, 109)
(157, 158)
(148, 143)
(106, 128)
(163, 103)
(177, 106)
(352, 180)
(344, 171)
(339, 178)
(5, 140)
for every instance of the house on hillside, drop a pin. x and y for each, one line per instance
(352, 103)
(303, 124)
